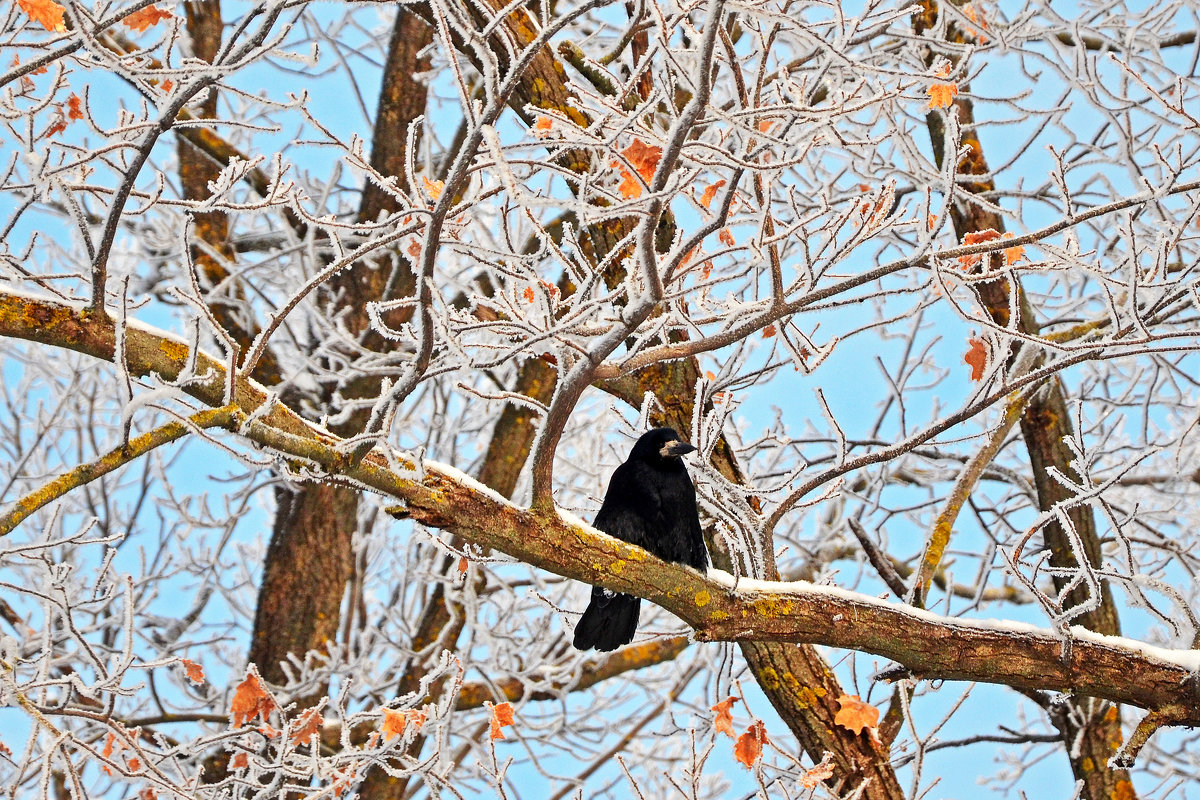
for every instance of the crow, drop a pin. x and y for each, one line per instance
(651, 503)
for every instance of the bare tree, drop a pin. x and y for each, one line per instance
(325, 324)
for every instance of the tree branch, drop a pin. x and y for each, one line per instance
(718, 606)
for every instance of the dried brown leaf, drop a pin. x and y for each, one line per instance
(644, 158)
(308, 726)
(195, 672)
(502, 716)
(393, 724)
(47, 13)
(251, 700)
(976, 357)
(855, 715)
(820, 772)
(144, 18)
(709, 193)
(749, 746)
(723, 722)
(434, 188)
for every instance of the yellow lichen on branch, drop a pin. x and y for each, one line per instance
(939, 537)
(1023, 657)
(112, 460)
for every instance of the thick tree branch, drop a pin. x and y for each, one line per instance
(718, 606)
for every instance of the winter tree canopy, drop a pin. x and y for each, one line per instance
(325, 324)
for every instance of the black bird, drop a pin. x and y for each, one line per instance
(651, 503)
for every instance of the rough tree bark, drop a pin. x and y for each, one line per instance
(310, 559)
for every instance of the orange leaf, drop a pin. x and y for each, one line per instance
(528, 294)
(134, 764)
(977, 358)
(976, 16)
(58, 126)
(748, 749)
(644, 158)
(707, 197)
(195, 672)
(166, 85)
(393, 724)
(976, 237)
(1013, 254)
(109, 740)
(941, 95)
(463, 563)
(343, 782)
(46, 12)
(251, 699)
(4, 751)
(148, 793)
(239, 761)
(765, 125)
(433, 188)
(933, 218)
(726, 237)
(855, 715)
(542, 127)
(502, 716)
(145, 18)
(308, 726)
(768, 331)
(629, 187)
(74, 107)
(709, 374)
(723, 722)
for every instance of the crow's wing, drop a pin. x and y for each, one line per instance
(654, 509)
(632, 509)
(680, 538)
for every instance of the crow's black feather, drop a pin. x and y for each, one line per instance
(650, 502)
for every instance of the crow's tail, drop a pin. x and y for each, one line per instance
(610, 621)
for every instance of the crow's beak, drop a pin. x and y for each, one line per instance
(677, 448)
